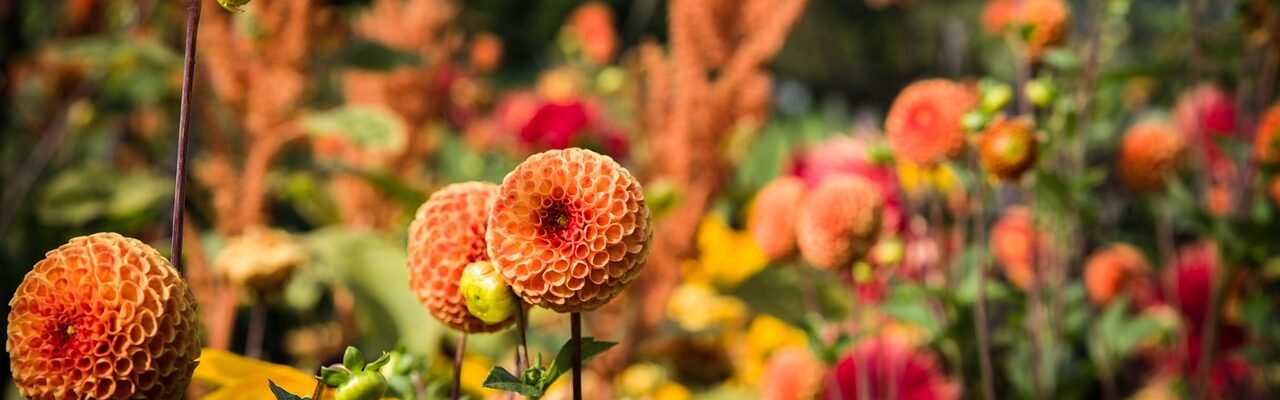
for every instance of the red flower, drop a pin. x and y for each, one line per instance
(883, 368)
(1203, 114)
(848, 156)
(554, 125)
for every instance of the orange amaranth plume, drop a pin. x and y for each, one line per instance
(569, 230)
(105, 317)
(447, 234)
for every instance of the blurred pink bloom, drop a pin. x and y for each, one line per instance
(845, 155)
(885, 368)
(1203, 114)
(555, 124)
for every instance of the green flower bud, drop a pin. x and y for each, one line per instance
(1040, 91)
(233, 5)
(367, 385)
(488, 297)
(888, 251)
(974, 121)
(995, 96)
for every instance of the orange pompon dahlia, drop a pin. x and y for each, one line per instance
(593, 24)
(923, 125)
(447, 234)
(773, 216)
(1114, 269)
(1012, 241)
(106, 317)
(1266, 141)
(1008, 148)
(792, 373)
(996, 15)
(569, 230)
(839, 221)
(1049, 20)
(1149, 152)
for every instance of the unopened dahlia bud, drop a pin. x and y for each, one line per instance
(103, 317)
(569, 230)
(260, 258)
(1008, 148)
(488, 297)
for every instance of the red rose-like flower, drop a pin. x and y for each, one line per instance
(849, 156)
(884, 368)
(1116, 268)
(1149, 152)
(839, 221)
(554, 125)
(923, 125)
(448, 233)
(569, 230)
(1204, 114)
(1266, 142)
(773, 216)
(105, 317)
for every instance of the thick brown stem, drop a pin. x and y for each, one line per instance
(575, 353)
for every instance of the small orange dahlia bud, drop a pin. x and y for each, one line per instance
(924, 123)
(1148, 153)
(569, 230)
(105, 317)
(1049, 21)
(1012, 239)
(1113, 269)
(445, 236)
(1266, 141)
(1008, 148)
(839, 221)
(260, 258)
(773, 216)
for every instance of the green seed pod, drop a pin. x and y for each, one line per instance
(488, 297)
(367, 385)
(233, 5)
(1040, 92)
(995, 96)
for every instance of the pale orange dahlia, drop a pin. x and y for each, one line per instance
(104, 316)
(839, 221)
(1012, 241)
(1266, 142)
(792, 373)
(1049, 21)
(447, 234)
(569, 229)
(1113, 270)
(773, 216)
(923, 125)
(1149, 152)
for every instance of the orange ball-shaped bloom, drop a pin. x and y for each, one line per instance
(593, 24)
(106, 317)
(1149, 152)
(1008, 148)
(1113, 269)
(486, 52)
(1012, 239)
(569, 230)
(1266, 141)
(792, 373)
(996, 15)
(447, 234)
(1049, 20)
(839, 221)
(773, 216)
(924, 123)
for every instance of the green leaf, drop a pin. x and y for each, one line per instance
(370, 55)
(333, 377)
(369, 128)
(377, 364)
(500, 379)
(282, 394)
(353, 359)
(563, 361)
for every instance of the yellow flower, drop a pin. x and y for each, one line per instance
(241, 378)
(697, 307)
(672, 391)
(728, 257)
(648, 382)
(475, 368)
(765, 335)
(915, 178)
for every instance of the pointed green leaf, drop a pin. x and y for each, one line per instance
(282, 394)
(499, 378)
(562, 363)
(377, 364)
(333, 376)
(353, 359)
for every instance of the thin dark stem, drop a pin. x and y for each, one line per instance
(1218, 277)
(184, 125)
(1193, 9)
(319, 390)
(257, 325)
(458, 350)
(575, 328)
(522, 348)
(980, 310)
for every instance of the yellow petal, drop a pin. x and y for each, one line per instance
(238, 377)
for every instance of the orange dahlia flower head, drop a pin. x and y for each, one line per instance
(1116, 269)
(1013, 239)
(1266, 141)
(1008, 148)
(569, 230)
(773, 216)
(924, 124)
(447, 233)
(1149, 152)
(106, 317)
(839, 221)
